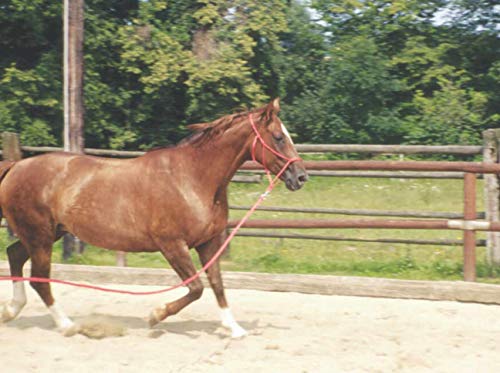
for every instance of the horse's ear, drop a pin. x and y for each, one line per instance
(197, 127)
(276, 104)
(273, 106)
(270, 109)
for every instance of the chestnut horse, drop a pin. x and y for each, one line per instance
(168, 200)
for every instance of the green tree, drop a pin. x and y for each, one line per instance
(30, 98)
(452, 115)
(348, 70)
(355, 92)
(428, 61)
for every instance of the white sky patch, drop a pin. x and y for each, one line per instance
(285, 131)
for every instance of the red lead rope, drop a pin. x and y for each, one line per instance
(272, 184)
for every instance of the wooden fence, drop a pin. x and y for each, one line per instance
(12, 150)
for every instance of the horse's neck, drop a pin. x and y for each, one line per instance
(219, 160)
(209, 166)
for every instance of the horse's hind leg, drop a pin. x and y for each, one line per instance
(18, 255)
(177, 254)
(40, 267)
(206, 252)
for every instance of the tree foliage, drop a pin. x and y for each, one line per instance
(374, 71)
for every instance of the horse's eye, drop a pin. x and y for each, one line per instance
(278, 137)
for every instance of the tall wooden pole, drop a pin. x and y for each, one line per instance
(73, 76)
(73, 89)
(11, 148)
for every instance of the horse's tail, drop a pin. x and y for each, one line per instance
(5, 166)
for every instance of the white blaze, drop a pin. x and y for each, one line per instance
(285, 131)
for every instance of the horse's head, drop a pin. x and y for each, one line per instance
(278, 149)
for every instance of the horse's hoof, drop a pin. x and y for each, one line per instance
(67, 327)
(236, 330)
(238, 333)
(7, 314)
(10, 311)
(155, 317)
(70, 330)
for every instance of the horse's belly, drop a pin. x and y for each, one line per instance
(113, 228)
(115, 239)
(106, 218)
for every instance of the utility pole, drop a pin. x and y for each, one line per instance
(73, 18)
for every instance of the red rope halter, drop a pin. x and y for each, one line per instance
(272, 184)
(258, 138)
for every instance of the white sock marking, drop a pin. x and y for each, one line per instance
(62, 321)
(12, 308)
(19, 293)
(229, 322)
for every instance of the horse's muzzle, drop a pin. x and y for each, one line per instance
(295, 177)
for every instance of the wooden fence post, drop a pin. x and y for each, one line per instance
(121, 259)
(11, 147)
(11, 151)
(491, 140)
(469, 236)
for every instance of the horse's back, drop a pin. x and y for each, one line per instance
(30, 175)
(41, 176)
(82, 194)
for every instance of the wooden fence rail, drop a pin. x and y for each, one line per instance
(361, 212)
(310, 148)
(376, 174)
(300, 236)
(474, 167)
(465, 150)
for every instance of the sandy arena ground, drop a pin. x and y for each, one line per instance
(288, 332)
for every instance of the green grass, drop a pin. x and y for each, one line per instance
(432, 262)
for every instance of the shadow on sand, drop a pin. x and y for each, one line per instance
(104, 325)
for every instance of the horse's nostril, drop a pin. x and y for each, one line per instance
(303, 178)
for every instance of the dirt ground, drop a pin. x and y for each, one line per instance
(288, 332)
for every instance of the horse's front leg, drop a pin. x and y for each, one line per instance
(177, 254)
(206, 252)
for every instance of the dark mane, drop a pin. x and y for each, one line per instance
(203, 132)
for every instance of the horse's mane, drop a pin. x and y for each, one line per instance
(203, 132)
